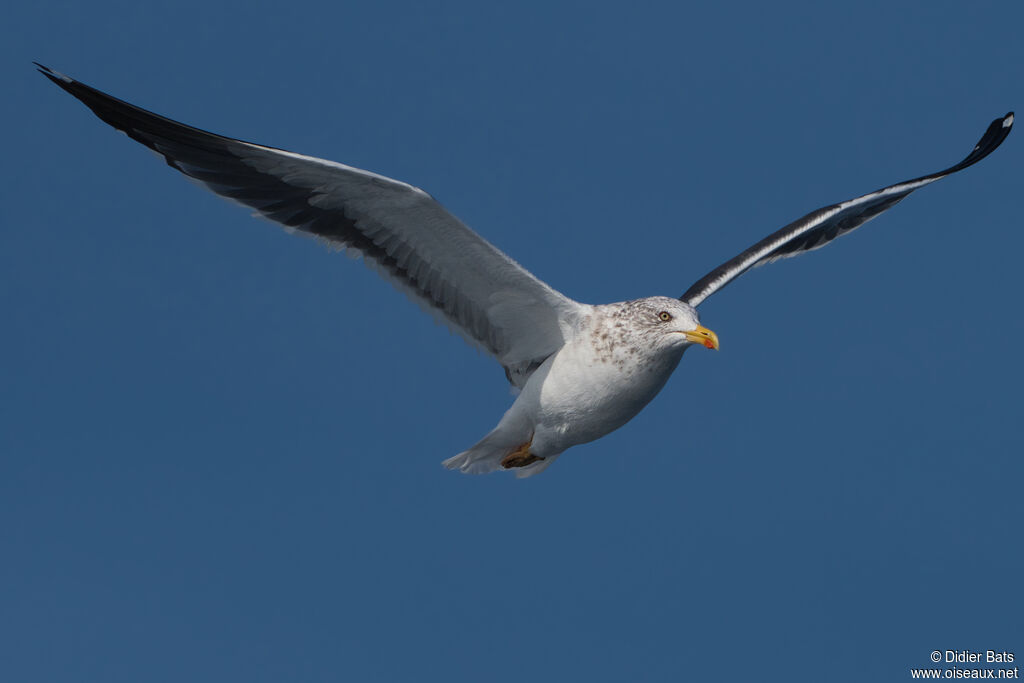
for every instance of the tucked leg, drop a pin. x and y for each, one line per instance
(520, 457)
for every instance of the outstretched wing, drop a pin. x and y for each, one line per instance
(399, 229)
(820, 227)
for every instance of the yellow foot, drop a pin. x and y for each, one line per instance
(520, 457)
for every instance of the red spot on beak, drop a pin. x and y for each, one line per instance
(708, 344)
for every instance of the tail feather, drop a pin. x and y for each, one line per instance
(486, 455)
(475, 461)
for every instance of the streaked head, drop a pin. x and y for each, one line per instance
(672, 322)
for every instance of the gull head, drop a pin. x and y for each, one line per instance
(669, 323)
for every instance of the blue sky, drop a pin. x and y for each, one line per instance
(220, 444)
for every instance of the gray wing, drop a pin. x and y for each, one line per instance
(399, 229)
(820, 227)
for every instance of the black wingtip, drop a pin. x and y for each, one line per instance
(139, 124)
(57, 77)
(993, 137)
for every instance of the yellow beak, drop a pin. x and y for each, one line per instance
(703, 336)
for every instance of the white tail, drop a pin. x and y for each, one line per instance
(486, 455)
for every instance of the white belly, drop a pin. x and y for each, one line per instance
(579, 395)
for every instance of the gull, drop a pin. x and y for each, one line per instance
(581, 371)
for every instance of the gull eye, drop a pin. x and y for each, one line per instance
(664, 316)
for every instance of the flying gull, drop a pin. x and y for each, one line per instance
(582, 371)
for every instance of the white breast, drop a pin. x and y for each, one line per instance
(590, 387)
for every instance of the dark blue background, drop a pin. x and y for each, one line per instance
(220, 444)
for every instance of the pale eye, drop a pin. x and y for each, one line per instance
(664, 316)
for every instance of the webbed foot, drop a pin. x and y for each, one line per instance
(520, 457)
